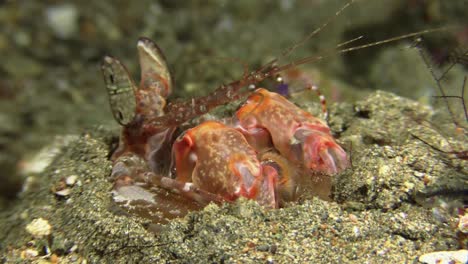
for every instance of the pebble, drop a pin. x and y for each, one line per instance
(353, 218)
(39, 227)
(63, 20)
(445, 257)
(71, 180)
(29, 253)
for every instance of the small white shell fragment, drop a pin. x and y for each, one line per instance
(71, 180)
(445, 257)
(64, 192)
(39, 227)
(356, 231)
(73, 248)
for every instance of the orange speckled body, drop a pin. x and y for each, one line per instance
(219, 160)
(296, 134)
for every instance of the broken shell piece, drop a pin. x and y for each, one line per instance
(63, 193)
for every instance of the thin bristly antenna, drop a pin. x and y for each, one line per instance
(245, 65)
(266, 71)
(316, 31)
(337, 46)
(463, 154)
(458, 60)
(323, 101)
(461, 97)
(437, 80)
(289, 50)
(463, 101)
(406, 36)
(442, 76)
(329, 53)
(349, 41)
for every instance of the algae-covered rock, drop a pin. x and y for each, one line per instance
(374, 217)
(392, 157)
